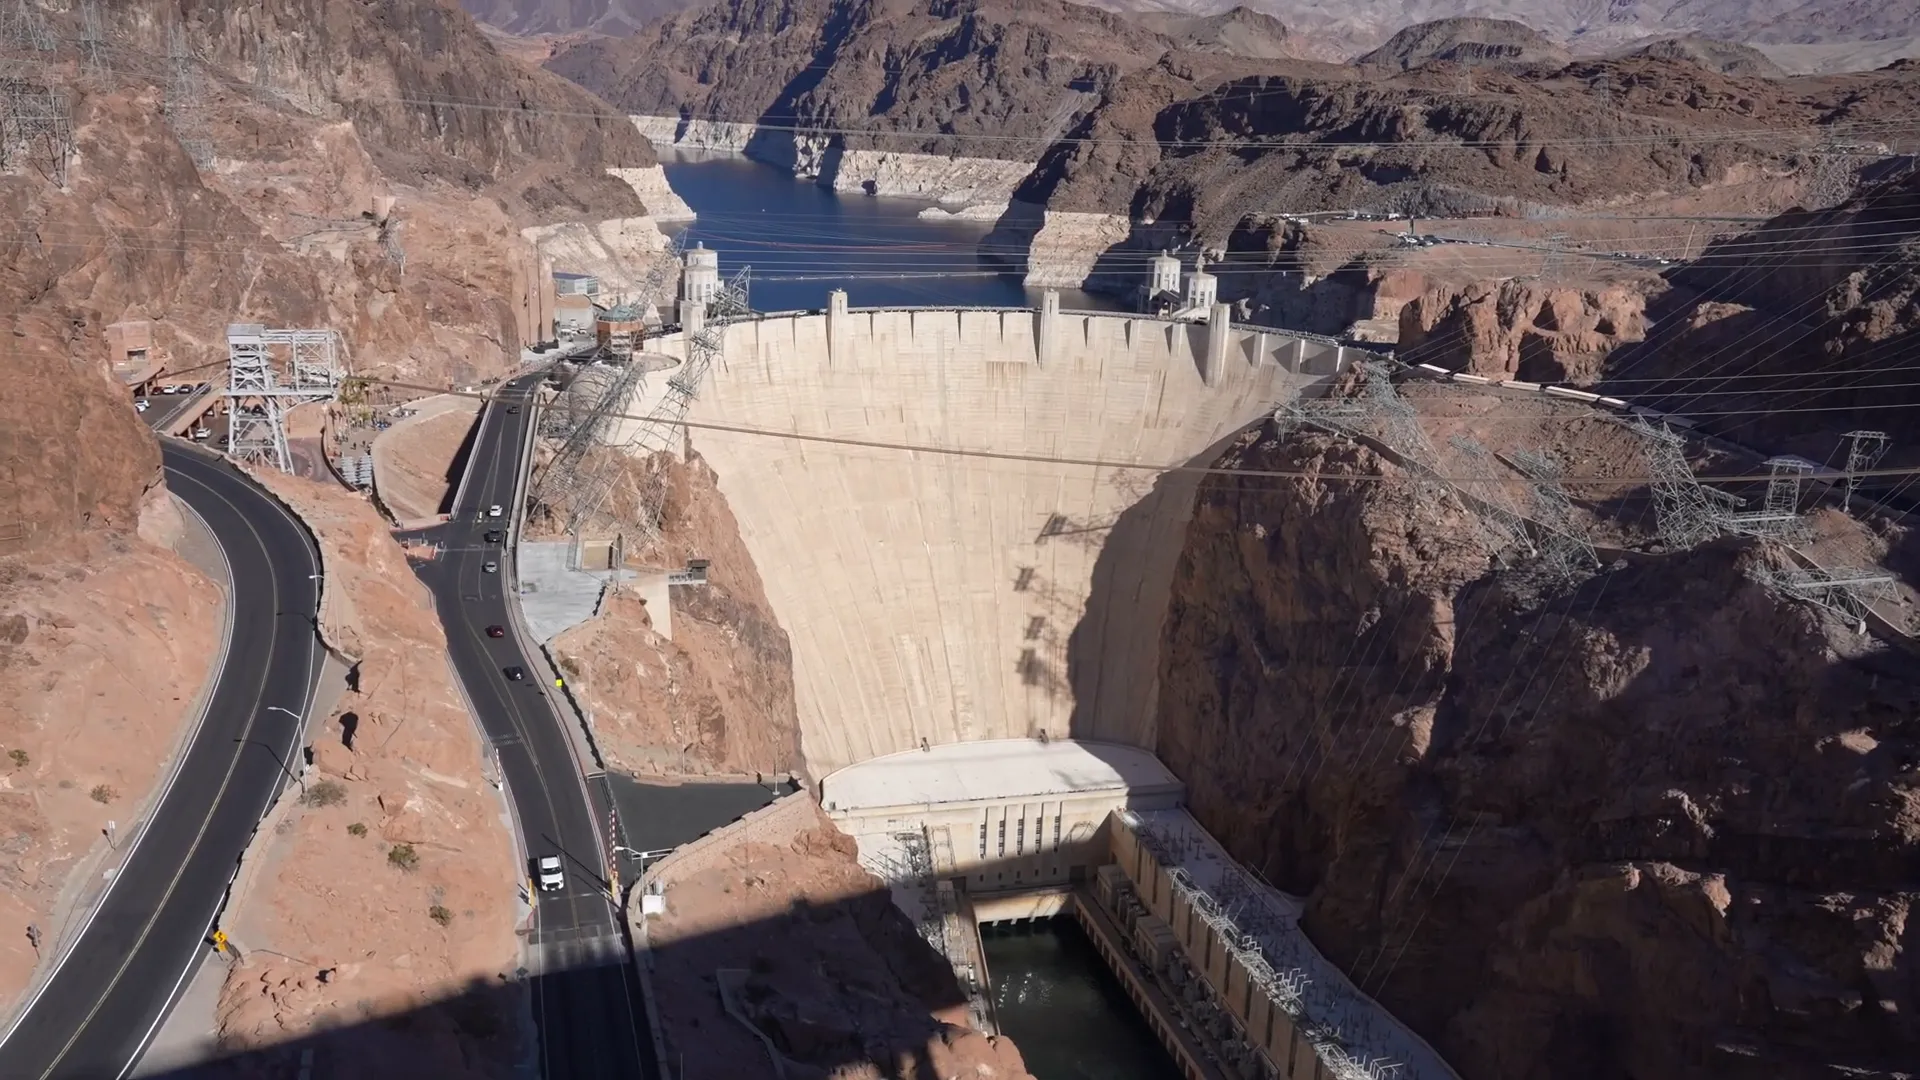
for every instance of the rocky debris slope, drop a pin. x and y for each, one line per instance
(1468, 42)
(105, 645)
(393, 879)
(1661, 824)
(814, 955)
(718, 697)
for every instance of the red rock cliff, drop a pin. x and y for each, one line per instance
(1662, 825)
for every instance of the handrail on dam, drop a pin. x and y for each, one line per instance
(1136, 316)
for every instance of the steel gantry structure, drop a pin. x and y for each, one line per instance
(260, 392)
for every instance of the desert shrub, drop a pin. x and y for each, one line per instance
(440, 914)
(103, 794)
(403, 856)
(356, 829)
(325, 793)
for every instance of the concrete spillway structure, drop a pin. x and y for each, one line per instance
(941, 598)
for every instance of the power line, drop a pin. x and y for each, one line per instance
(1104, 463)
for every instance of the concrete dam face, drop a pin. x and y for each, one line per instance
(949, 598)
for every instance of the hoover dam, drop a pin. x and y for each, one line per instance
(1012, 584)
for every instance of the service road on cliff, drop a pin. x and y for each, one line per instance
(107, 994)
(586, 1000)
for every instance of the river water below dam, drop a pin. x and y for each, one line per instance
(1059, 1004)
(803, 240)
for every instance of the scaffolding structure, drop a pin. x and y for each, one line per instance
(1562, 544)
(260, 391)
(1864, 451)
(36, 128)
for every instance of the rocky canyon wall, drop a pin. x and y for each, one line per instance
(1660, 825)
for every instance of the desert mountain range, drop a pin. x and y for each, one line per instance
(1808, 35)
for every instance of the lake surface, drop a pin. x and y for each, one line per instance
(1069, 1016)
(803, 240)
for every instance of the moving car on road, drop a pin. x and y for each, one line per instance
(493, 536)
(496, 631)
(516, 673)
(551, 879)
(493, 511)
(490, 566)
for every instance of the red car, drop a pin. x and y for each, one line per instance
(496, 631)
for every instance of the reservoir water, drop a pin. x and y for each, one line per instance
(803, 240)
(1057, 1001)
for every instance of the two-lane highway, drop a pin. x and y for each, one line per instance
(109, 992)
(586, 1000)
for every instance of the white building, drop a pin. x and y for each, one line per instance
(1005, 814)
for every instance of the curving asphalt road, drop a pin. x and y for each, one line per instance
(586, 1000)
(108, 994)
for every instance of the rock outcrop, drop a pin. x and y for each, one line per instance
(1662, 825)
(1725, 57)
(1522, 330)
(718, 697)
(1468, 42)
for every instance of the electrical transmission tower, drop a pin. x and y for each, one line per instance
(93, 41)
(1501, 523)
(36, 127)
(705, 338)
(186, 99)
(1563, 545)
(22, 28)
(1864, 451)
(1684, 509)
(259, 393)
(1847, 592)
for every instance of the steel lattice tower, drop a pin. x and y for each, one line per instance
(656, 431)
(1864, 451)
(259, 395)
(1683, 512)
(1563, 545)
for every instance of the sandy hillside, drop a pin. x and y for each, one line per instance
(104, 649)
